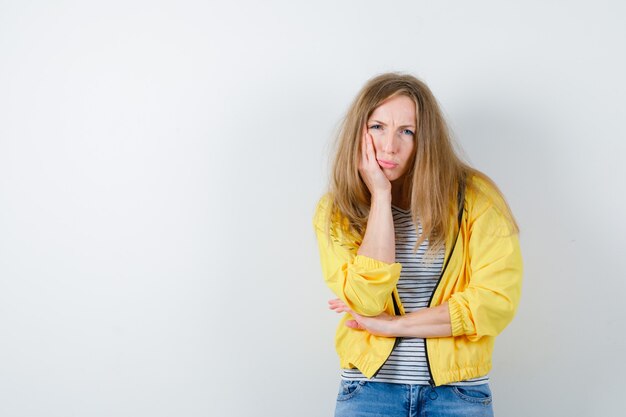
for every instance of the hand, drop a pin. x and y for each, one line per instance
(381, 325)
(371, 173)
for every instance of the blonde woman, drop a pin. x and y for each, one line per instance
(422, 253)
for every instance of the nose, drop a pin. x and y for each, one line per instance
(389, 142)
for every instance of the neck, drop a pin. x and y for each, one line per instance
(398, 197)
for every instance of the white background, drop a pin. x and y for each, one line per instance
(160, 163)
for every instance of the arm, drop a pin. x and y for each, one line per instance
(483, 308)
(425, 323)
(363, 283)
(365, 280)
(490, 300)
(379, 241)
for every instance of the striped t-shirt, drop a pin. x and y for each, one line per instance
(418, 279)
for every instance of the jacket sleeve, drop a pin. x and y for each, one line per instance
(363, 283)
(489, 302)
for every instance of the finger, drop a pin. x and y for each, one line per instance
(337, 302)
(371, 152)
(334, 303)
(340, 309)
(364, 157)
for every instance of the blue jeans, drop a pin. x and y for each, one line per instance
(370, 399)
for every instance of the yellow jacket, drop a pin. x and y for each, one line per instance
(481, 283)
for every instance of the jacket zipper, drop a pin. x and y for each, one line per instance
(431, 380)
(396, 309)
(461, 198)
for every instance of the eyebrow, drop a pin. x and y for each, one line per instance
(383, 123)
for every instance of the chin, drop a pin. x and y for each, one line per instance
(392, 176)
(395, 177)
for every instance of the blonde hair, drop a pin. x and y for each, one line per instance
(433, 179)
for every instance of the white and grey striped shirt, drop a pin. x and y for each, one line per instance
(418, 279)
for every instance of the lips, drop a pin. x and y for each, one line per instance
(387, 164)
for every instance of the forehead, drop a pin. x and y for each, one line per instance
(399, 109)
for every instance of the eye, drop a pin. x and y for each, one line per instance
(376, 126)
(408, 132)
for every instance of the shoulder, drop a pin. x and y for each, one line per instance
(328, 219)
(326, 216)
(482, 193)
(322, 210)
(486, 205)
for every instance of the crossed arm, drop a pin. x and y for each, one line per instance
(379, 243)
(425, 323)
(378, 246)
(363, 275)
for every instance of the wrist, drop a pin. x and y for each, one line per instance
(381, 197)
(399, 326)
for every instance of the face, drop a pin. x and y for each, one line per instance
(392, 126)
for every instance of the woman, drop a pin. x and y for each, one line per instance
(421, 251)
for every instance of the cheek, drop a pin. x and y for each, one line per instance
(407, 152)
(377, 140)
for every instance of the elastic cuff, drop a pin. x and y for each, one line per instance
(371, 263)
(456, 320)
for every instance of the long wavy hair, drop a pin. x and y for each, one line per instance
(431, 183)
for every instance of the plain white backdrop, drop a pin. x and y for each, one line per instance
(160, 162)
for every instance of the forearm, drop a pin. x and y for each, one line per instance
(425, 323)
(379, 239)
